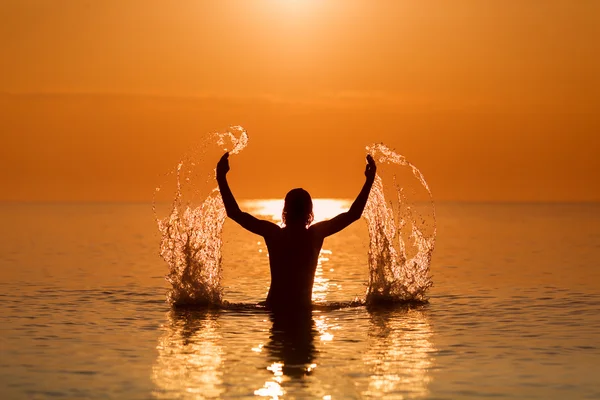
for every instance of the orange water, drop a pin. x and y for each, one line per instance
(513, 312)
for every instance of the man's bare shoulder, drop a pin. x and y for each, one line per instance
(319, 228)
(270, 228)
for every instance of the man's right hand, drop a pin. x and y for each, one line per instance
(223, 165)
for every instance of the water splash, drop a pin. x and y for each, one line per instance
(191, 235)
(402, 237)
(191, 232)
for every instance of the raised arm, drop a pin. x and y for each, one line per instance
(247, 221)
(336, 224)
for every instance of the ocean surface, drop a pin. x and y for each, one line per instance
(514, 312)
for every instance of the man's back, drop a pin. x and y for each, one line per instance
(293, 258)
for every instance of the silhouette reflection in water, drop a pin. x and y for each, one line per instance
(292, 342)
(290, 351)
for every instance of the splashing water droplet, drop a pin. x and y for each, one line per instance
(191, 236)
(401, 242)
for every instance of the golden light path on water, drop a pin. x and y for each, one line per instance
(190, 362)
(399, 355)
(397, 361)
(190, 357)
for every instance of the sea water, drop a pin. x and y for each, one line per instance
(513, 312)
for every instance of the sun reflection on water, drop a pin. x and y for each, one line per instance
(191, 362)
(190, 357)
(321, 283)
(272, 388)
(324, 328)
(399, 354)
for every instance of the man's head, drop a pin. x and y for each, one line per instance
(298, 208)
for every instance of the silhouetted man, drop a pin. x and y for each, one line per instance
(294, 248)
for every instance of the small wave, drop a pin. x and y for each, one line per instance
(380, 304)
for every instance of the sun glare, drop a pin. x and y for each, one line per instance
(322, 208)
(302, 14)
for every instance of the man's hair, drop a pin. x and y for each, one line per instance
(298, 208)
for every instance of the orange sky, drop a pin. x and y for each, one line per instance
(494, 100)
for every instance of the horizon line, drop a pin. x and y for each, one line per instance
(329, 99)
(244, 200)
